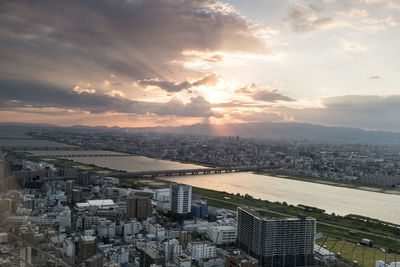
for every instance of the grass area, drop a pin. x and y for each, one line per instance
(365, 256)
(65, 163)
(68, 163)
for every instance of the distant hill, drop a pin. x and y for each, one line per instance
(285, 131)
(281, 131)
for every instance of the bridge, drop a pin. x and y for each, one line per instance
(163, 173)
(44, 148)
(184, 172)
(20, 138)
(78, 155)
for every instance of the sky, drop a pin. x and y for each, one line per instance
(141, 63)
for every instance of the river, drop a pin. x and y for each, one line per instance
(339, 200)
(132, 163)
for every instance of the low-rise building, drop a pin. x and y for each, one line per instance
(221, 234)
(201, 250)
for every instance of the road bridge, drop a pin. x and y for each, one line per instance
(20, 138)
(77, 155)
(163, 173)
(44, 148)
(184, 172)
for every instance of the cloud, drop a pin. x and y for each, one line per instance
(165, 85)
(270, 96)
(359, 102)
(79, 90)
(116, 93)
(377, 25)
(348, 46)
(246, 90)
(393, 5)
(130, 39)
(389, 4)
(262, 94)
(360, 111)
(303, 20)
(371, 112)
(16, 95)
(354, 13)
(209, 80)
(265, 115)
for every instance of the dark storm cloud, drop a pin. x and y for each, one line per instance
(82, 40)
(22, 94)
(211, 80)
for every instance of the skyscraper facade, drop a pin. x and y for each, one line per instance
(276, 242)
(181, 198)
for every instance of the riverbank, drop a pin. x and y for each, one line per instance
(384, 234)
(331, 182)
(318, 180)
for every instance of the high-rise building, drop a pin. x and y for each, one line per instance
(181, 198)
(139, 207)
(23, 256)
(284, 242)
(84, 178)
(76, 195)
(87, 247)
(68, 187)
(95, 261)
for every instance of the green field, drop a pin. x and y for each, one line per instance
(365, 256)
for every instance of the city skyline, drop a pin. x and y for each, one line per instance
(168, 63)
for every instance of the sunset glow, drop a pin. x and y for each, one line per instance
(201, 61)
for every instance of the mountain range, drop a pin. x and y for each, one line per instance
(277, 131)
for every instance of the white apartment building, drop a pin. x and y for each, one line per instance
(202, 250)
(133, 227)
(24, 257)
(221, 234)
(181, 198)
(172, 249)
(162, 194)
(106, 229)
